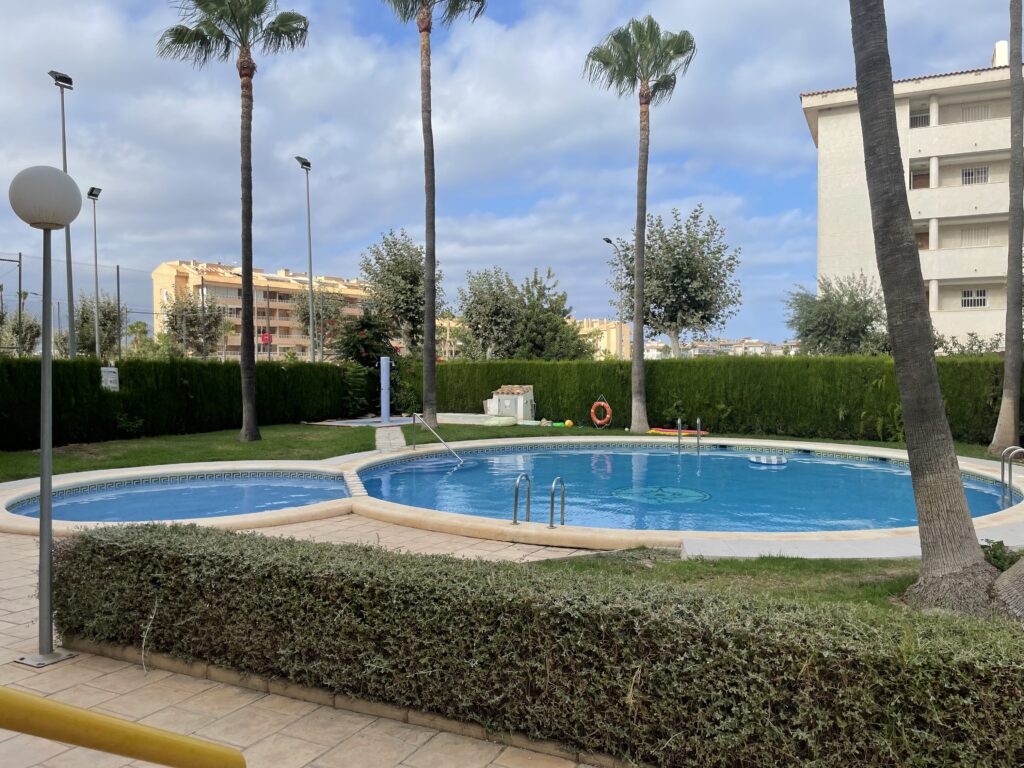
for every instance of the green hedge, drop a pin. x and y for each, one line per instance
(829, 397)
(650, 673)
(169, 397)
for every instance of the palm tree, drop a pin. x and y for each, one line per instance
(640, 58)
(1007, 427)
(954, 573)
(216, 30)
(423, 12)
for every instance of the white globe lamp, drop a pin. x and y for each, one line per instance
(45, 198)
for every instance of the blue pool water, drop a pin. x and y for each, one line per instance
(658, 489)
(190, 497)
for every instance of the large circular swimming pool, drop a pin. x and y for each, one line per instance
(189, 496)
(654, 488)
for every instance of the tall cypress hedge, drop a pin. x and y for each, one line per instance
(169, 397)
(811, 397)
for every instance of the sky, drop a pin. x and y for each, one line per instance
(534, 164)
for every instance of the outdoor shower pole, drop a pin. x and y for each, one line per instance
(385, 390)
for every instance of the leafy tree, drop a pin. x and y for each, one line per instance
(689, 283)
(542, 331)
(845, 317)
(197, 329)
(972, 344)
(640, 58)
(423, 12)
(329, 307)
(85, 310)
(490, 306)
(364, 339)
(393, 272)
(19, 332)
(216, 30)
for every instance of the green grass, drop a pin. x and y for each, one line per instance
(282, 441)
(815, 582)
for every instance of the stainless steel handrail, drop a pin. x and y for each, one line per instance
(679, 435)
(698, 435)
(515, 501)
(434, 432)
(1002, 468)
(1008, 486)
(554, 484)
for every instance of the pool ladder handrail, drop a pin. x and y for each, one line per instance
(515, 501)
(1006, 470)
(679, 435)
(554, 486)
(434, 432)
(698, 435)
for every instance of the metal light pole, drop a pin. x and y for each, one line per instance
(64, 82)
(94, 195)
(618, 331)
(305, 165)
(46, 199)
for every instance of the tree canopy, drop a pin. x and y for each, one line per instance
(845, 317)
(329, 307)
(197, 329)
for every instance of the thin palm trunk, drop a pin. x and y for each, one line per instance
(247, 357)
(638, 418)
(954, 573)
(425, 24)
(1007, 431)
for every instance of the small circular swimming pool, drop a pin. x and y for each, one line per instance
(188, 496)
(644, 487)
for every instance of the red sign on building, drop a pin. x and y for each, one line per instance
(266, 338)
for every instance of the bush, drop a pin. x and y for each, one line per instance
(999, 555)
(160, 397)
(649, 673)
(811, 397)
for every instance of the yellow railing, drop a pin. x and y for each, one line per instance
(26, 713)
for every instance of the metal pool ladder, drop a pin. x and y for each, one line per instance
(515, 501)
(1006, 470)
(554, 486)
(679, 435)
(434, 432)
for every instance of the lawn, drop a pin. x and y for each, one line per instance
(814, 582)
(280, 441)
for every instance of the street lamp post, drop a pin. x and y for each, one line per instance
(94, 195)
(65, 83)
(47, 199)
(305, 165)
(619, 302)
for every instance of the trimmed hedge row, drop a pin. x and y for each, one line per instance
(828, 397)
(169, 397)
(648, 673)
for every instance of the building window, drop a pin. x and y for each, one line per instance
(973, 237)
(976, 175)
(922, 240)
(920, 120)
(971, 299)
(971, 112)
(920, 179)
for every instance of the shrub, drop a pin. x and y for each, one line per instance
(649, 673)
(1000, 555)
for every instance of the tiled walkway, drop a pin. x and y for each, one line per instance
(273, 731)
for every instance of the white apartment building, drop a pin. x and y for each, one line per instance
(954, 134)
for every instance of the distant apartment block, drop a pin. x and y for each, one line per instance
(954, 134)
(739, 347)
(612, 340)
(273, 300)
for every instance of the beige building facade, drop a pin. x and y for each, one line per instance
(954, 132)
(273, 307)
(613, 340)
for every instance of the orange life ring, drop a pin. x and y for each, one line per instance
(605, 420)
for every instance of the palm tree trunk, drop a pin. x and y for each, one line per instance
(247, 358)
(1008, 426)
(638, 417)
(425, 23)
(954, 574)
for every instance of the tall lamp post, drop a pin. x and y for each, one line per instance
(65, 83)
(305, 165)
(47, 199)
(94, 195)
(619, 302)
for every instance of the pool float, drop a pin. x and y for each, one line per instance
(686, 432)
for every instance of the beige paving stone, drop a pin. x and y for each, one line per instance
(285, 705)
(12, 673)
(83, 696)
(59, 677)
(221, 700)
(513, 757)
(145, 700)
(279, 751)
(188, 683)
(23, 751)
(78, 757)
(246, 726)
(361, 751)
(446, 750)
(101, 663)
(178, 720)
(128, 679)
(413, 734)
(327, 726)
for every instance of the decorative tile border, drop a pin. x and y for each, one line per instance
(183, 479)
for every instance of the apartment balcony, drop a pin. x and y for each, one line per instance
(966, 200)
(963, 263)
(959, 138)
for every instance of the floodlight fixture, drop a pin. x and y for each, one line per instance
(61, 80)
(94, 193)
(303, 163)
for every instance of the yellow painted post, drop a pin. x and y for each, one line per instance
(26, 713)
